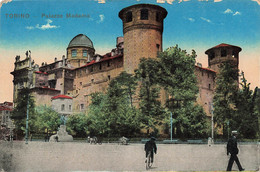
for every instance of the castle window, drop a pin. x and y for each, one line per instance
(100, 66)
(70, 107)
(158, 16)
(209, 86)
(211, 56)
(85, 54)
(92, 80)
(91, 69)
(74, 53)
(62, 107)
(144, 14)
(109, 77)
(108, 63)
(158, 47)
(129, 17)
(223, 53)
(82, 107)
(233, 54)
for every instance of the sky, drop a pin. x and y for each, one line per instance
(43, 27)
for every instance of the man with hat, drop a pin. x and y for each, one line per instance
(233, 150)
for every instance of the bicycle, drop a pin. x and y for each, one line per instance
(148, 161)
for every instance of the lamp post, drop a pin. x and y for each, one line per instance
(212, 120)
(27, 120)
(171, 126)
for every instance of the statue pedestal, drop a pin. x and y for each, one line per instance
(62, 135)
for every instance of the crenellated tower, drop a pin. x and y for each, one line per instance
(142, 28)
(222, 53)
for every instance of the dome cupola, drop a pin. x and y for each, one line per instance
(80, 50)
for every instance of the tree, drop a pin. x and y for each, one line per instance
(127, 85)
(150, 105)
(225, 96)
(112, 114)
(77, 125)
(177, 77)
(246, 119)
(47, 119)
(20, 112)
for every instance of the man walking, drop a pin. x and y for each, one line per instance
(233, 150)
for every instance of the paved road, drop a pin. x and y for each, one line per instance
(39, 156)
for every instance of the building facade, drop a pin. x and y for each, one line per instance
(83, 72)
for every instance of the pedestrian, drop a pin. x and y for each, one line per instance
(233, 150)
(150, 146)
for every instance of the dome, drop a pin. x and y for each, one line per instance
(81, 40)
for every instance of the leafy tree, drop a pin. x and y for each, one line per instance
(257, 109)
(150, 106)
(20, 112)
(112, 114)
(97, 120)
(177, 77)
(47, 119)
(77, 125)
(225, 96)
(127, 84)
(245, 119)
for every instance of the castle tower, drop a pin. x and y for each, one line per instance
(142, 28)
(222, 53)
(80, 51)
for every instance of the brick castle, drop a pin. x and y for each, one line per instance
(70, 81)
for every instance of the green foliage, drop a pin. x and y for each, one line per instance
(176, 71)
(149, 105)
(177, 77)
(112, 114)
(20, 111)
(245, 119)
(225, 96)
(77, 125)
(47, 118)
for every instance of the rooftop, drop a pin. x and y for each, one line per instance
(80, 41)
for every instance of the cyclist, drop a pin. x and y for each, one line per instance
(150, 146)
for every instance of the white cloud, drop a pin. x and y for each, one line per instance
(4, 2)
(101, 1)
(236, 13)
(217, 0)
(258, 1)
(191, 19)
(29, 27)
(43, 27)
(207, 20)
(101, 18)
(228, 11)
(160, 1)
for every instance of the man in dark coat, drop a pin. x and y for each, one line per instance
(150, 146)
(233, 150)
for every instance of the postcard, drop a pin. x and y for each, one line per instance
(69, 51)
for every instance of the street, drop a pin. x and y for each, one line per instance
(73, 156)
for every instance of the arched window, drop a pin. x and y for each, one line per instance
(129, 16)
(85, 53)
(158, 16)
(211, 56)
(74, 53)
(144, 14)
(223, 53)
